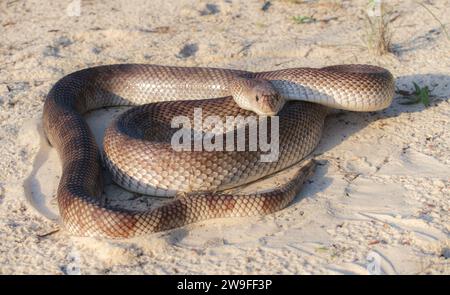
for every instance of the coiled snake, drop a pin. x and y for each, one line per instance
(138, 147)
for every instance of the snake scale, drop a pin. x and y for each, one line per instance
(137, 147)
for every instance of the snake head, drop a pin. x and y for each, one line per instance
(257, 95)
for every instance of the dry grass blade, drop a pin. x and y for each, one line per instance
(378, 34)
(436, 18)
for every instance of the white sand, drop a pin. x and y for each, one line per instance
(383, 187)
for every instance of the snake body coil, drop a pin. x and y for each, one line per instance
(140, 157)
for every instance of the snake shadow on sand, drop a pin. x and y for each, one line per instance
(340, 125)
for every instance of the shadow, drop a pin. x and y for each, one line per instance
(424, 41)
(176, 235)
(340, 125)
(31, 185)
(439, 85)
(315, 183)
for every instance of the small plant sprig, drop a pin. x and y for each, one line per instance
(419, 95)
(303, 19)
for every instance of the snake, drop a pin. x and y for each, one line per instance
(139, 153)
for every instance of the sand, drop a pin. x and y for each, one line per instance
(378, 203)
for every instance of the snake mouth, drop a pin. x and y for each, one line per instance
(267, 114)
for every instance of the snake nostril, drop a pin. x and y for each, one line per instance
(257, 98)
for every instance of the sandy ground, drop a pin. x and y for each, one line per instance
(379, 200)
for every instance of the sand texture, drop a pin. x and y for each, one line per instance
(378, 203)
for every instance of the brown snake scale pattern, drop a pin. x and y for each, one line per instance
(138, 151)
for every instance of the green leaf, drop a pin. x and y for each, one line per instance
(420, 95)
(300, 19)
(425, 96)
(321, 249)
(417, 88)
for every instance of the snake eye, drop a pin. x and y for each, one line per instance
(257, 98)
